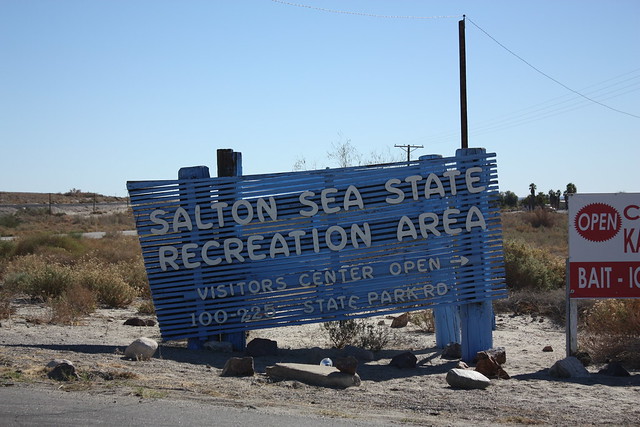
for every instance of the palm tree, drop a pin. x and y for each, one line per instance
(532, 188)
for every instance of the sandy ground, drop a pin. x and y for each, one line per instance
(387, 394)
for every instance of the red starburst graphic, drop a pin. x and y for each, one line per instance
(598, 222)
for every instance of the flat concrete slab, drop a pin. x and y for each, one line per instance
(323, 376)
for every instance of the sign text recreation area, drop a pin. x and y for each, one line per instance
(250, 252)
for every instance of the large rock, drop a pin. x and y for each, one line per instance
(324, 376)
(406, 360)
(358, 353)
(453, 350)
(348, 364)
(569, 367)
(141, 349)
(614, 369)
(238, 367)
(400, 321)
(63, 372)
(467, 379)
(488, 366)
(262, 347)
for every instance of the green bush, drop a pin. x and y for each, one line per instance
(38, 277)
(47, 243)
(531, 268)
(7, 247)
(9, 221)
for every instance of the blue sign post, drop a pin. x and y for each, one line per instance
(239, 253)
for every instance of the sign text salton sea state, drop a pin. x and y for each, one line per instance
(259, 251)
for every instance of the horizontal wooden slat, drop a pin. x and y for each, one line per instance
(307, 278)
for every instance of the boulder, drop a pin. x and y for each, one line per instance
(63, 372)
(569, 367)
(406, 360)
(488, 366)
(258, 347)
(238, 367)
(400, 321)
(498, 353)
(141, 349)
(358, 353)
(348, 364)
(453, 350)
(614, 369)
(467, 379)
(318, 375)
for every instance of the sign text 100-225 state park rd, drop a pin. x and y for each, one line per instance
(249, 252)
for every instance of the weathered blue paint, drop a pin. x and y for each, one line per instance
(353, 257)
(476, 326)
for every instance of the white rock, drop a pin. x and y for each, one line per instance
(141, 349)
(467, 379)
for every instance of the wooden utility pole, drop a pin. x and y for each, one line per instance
(463, 85)
(408, 148)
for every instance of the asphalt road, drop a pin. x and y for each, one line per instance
(26, 406)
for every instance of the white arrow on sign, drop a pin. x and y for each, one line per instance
(462, 260)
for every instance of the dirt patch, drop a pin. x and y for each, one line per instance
(419, 395)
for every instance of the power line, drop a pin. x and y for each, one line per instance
(549, 77)
(370, 15)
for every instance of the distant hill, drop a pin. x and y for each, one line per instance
(70, 197)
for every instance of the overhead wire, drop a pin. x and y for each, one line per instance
(370, 15)
(548, 76)
(510, 120)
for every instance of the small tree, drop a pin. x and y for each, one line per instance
(508, 199)
(532, 196)
(571, 189)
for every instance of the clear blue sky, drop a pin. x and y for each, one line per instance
(94, 93)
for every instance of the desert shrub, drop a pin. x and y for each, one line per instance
(7, 247)
(612, 332)
(105, 280)
(115, 248)
(603, 348)
(613, 316)
(9, 221)
(38, 277)
(77, 302)
(373, 337)
(527, 267)
(5, 304)
(359, 333)
(551, 304)
(44, 242)
(423, 320)
(553, 239)
(146, 307)
(541, 218)
(343, 332)
(135, 275)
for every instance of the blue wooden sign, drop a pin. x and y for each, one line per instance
(240, 253)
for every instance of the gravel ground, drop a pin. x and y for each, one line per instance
(387, 394)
